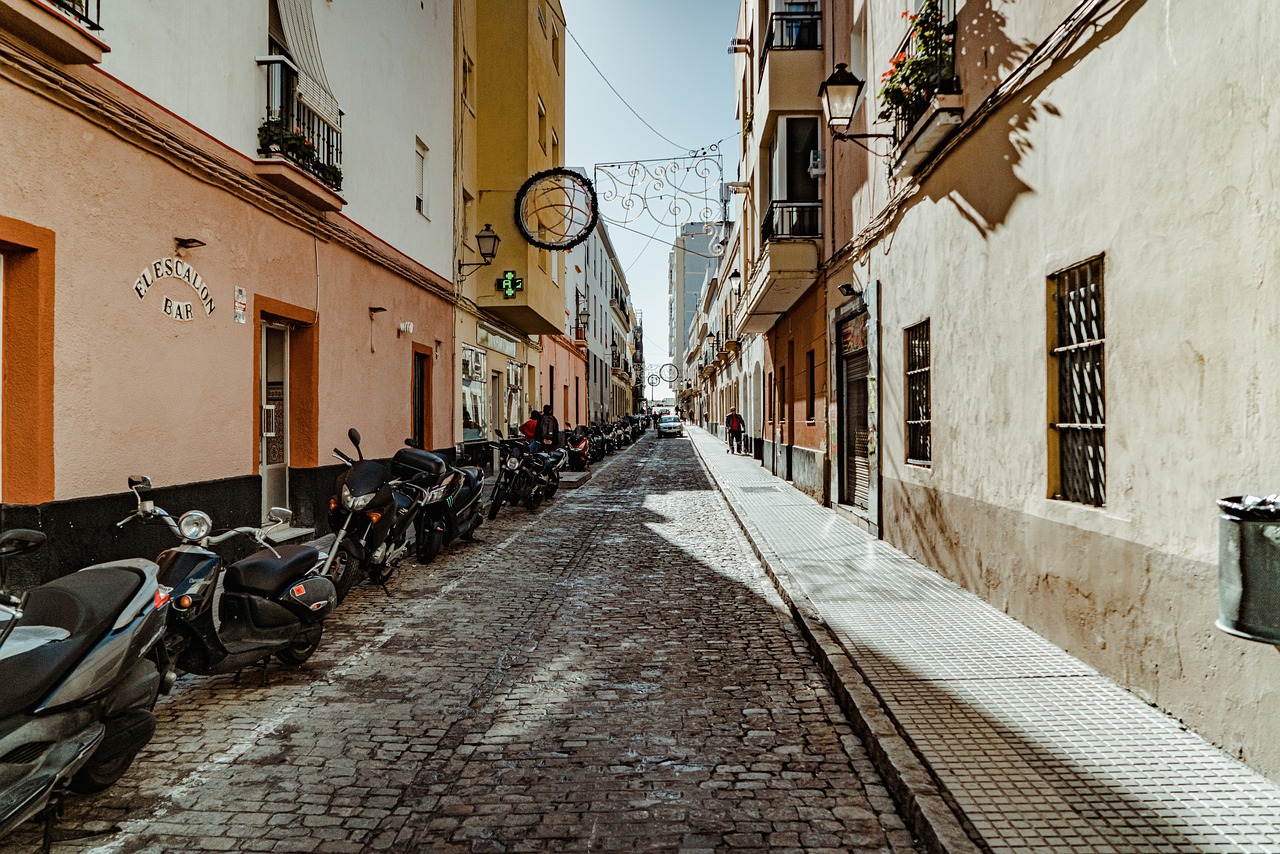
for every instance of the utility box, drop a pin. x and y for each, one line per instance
(1249, 568)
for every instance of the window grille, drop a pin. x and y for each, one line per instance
(1077, 385)
(919, 400)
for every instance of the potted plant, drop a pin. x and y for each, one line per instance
(925, 66)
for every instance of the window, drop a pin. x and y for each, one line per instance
(468, 80)
(542, 15)
(423, 202)
(542, 124)
(475, 406)
(919, 406)
(795, 206)
(813, 390)
(1077, 440)
(555, 149)
(555, 46)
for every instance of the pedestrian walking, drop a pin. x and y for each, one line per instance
(734, 426)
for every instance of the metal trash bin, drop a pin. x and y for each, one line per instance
(1249, 567)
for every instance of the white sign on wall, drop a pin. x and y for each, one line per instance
(174, 268)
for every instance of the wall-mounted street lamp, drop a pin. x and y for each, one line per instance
(735, 281)
(487, 243)
(584, 311)
(840, 94)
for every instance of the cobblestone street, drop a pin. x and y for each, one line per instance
(611, 672)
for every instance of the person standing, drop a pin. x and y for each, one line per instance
(529, 428)
(734, 425)
(548, 432)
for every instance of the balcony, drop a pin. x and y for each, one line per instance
(60, 28)
(787, 265)
(791, 66)
(921, 91)
(301, 149)
(791, 31)
(791, 219)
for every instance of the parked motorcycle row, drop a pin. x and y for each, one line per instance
(84, 658)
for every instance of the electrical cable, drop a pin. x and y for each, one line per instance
(619, 94)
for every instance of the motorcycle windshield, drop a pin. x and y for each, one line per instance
(364, 477)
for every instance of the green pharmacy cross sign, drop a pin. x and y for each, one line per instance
(509, 284)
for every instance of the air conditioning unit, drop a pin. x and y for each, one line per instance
(817, 165)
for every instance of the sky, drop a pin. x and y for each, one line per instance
(668, 59)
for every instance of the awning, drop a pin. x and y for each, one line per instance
(293, 23)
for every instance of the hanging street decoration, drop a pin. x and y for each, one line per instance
(672, 191)
(556, 209)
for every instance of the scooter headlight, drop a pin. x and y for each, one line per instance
(512, 463)
(355, 502)
(195, 525)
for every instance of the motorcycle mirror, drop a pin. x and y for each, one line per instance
(354, 435)
(280, 515)
(413, 444)
(139, 482)
(20, 541)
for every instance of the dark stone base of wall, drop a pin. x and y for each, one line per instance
(82, 531)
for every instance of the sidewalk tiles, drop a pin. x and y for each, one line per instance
(992, 738)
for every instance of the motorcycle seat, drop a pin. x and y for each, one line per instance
(472, 476)
(265, 574)
(86, 604)
(557, 455)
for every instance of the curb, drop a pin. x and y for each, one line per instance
(920, 802)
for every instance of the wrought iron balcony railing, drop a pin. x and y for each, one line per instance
(791, 219)
(792, 31)
(926, 64)
(296, 131)
(80, 11)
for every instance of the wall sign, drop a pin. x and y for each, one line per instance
(241, 306)
(174, 268)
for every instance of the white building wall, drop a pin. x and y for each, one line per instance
(390, 65)
(1099, 157)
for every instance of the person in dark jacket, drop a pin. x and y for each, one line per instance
(734, 425)
(548, 432)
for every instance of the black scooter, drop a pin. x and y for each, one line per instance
(375, 516)
(452, 510)
(272, 602)
(81, 665)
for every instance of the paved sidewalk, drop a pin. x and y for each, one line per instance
(991, 737)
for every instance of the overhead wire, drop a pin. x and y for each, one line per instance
(619, 94)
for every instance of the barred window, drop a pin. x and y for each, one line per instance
(919, 405)
(1077, 440)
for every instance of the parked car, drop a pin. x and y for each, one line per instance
(670, 425)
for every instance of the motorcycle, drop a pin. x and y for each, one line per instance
(578, 444)
(374, 516)
(272, 602)
(597, 446)
(452, 509)
(82, 663)
(521, 477)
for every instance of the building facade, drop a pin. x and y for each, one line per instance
(1024, 383)
(223, 268)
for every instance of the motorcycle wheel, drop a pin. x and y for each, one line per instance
(533, 498)
(344, 570)
(552, 487)
(495, 503)
(380, 573)
(429, 546)
(98, 774)
(302, 648)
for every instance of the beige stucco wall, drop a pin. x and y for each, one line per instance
(1154, 143)
(137, 391)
